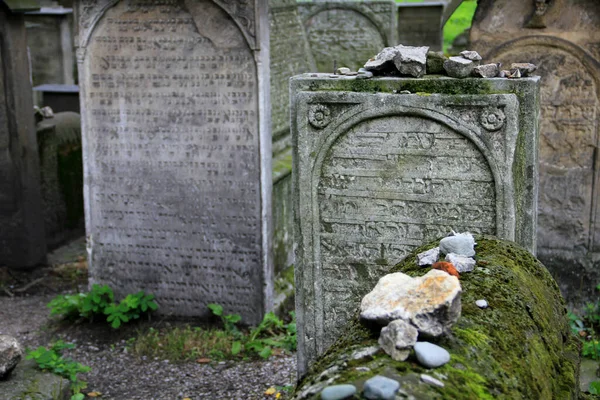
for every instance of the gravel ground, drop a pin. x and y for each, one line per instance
(115, 373)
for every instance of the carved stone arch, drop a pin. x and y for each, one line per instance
(369, 15)
(365, 113)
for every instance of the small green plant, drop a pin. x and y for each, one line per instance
(587, 328)
(594, 387)
(52, 360)
(100, 302)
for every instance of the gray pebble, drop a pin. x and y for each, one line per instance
(380, 388)
(462, 244)
(338, 392)
(431, 355)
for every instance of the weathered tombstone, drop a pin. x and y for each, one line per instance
(290, 55)
(50, 42)
(348, 32)
(378, 174)
(21, 220)
(567, 52)
(59, 142)
(58, 97)
(420, 24)
(176, 142)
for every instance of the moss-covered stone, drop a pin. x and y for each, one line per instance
(518, 348)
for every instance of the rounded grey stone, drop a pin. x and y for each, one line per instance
(380, 388)
(431, 355)
(462, 244)
(10, 354)
(482, 303)
(338, 392)
(430, 380)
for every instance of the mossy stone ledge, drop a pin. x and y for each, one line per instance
(520, 347)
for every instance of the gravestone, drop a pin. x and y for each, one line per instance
(420, 24)
(347, 32)
(21, 220)
(378, 174)
(51, 46)
(176, 141)
(563, 39)
(290, 55)
(61, 165)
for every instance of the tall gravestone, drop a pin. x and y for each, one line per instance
(563, 39)
(177, 151)
(290, 55)
(348, 32)
(378, 174)
(22, 241)
(51, 46)
(420, 24)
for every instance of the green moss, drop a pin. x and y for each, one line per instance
(519, 347)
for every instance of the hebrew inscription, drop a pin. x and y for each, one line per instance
(172, 142)
(388, 186)
(568, 146)
(347, 32)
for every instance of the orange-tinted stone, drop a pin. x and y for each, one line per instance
(446, 267)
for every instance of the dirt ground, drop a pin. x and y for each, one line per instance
(116, 373)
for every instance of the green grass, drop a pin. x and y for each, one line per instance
(459, 21)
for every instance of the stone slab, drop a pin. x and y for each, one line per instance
(22, 241)
(177, 151)
(348, 32)
(567, 53)
(420, 24)
(379, 173)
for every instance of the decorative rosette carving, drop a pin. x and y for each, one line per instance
(319, 116)
(492, 119)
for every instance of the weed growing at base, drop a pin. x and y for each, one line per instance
(100, 302)
(52, 360)
(205, 345)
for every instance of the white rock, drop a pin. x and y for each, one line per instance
(482, 303)
(383, 60)
(458, 67)
(431, 355)
(461, 263)
(431, 380)
(431, 302)
(10, 354)
(471, 55)
(411, 60)
(398, 338)
(460, 243)
(428, 257)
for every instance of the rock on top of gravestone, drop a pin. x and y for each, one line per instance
(383, 61)
(431, 303)
(10, 354)
(524, 68)
(458, 67)
(460, 243)
(486, 70)
(435, 62)
(471, 55)
(398, 338)
(410, 60)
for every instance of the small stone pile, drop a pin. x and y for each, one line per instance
(410, 309)
(417, 61)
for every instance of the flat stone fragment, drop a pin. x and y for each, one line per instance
(430, 380)
(431, 302)
(458, 67)
(471, 55)
(11, 353)
(428, 257)
(486, 70)
(364, 74)
(380, 388)
(461, 263)
(482, 303)
(435, 62)
(342, 71)
(431, 355)
(384, 60)
(338, 392)
(525, 69)
(365, 352)
(462, 244)
(411, 60)
(397, 339)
